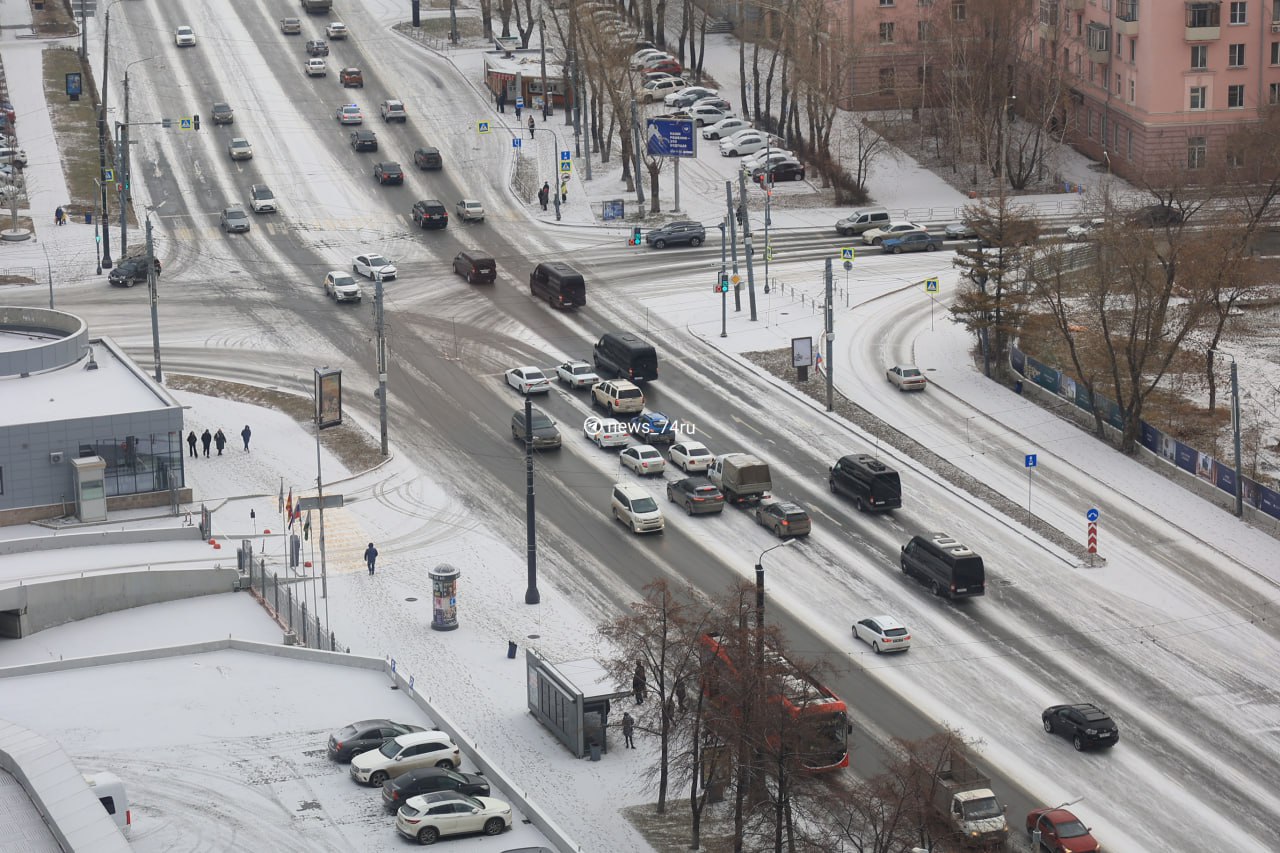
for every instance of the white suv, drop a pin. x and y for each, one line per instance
(404, 753)
(636, 508)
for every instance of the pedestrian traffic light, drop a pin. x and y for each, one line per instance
(635, 236)
(196, 122)
(724, 281)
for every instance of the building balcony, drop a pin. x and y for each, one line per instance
(1126, 22)
(1049, 32)
(1203, 20)
(1073, 5)
(1203, 33)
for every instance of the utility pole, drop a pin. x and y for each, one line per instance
(635, 144)
(153, 292)
(324, 575)
(1235, 428)
(103, 213)
(453, 31)
(746, 241)
(382, 361)
(546, 96)
(733, 245)
(531, 542)
(724, 276)
(829, 325)
(766, 183)
(124, 173)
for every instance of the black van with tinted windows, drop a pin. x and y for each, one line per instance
(872, 484)
(560, 284)
(626, 356)
(945, 565)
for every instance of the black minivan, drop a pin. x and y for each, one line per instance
(560, 284)
(946, 565)
(626, 356)
(872, 484)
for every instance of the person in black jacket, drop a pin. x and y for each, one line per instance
(191, 443)
(245, 433)
(220, 440)
(206, 439)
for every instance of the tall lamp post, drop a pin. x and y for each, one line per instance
(124, 162)
(1035, 833)
(760, 598)
(102, 141)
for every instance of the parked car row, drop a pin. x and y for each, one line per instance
(417, 771)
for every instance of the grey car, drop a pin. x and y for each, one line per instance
(960, 231)
(234, 220)
(676, 233)
(222, 113)
(545, 434)
(696, 495)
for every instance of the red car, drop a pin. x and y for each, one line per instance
(666, 66)
(1061, 831)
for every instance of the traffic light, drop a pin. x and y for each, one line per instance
(196, 122)
(723, 284)
(635, 236)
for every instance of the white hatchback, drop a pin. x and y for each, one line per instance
(691, 456)
(184, 37)
(605, 432)
(528, 380)
(883, 634)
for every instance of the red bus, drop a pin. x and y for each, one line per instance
(822, 719)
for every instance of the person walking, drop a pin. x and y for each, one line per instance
(245, 433)
(58, 216)
(628, 729)
(370, 556)
(564, 193)
(206, 439)
(544, 195)
(638, 683)
(519, 109)
(532, 125)
(191, 443)
(220, 439)
(502, 99)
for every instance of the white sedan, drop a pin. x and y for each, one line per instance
(315, 67)
(768, 156)
(876, 236)
(691, 456)
(372, 266)
(724, 127)
(907, 377)
(705, 114)
(469, 210)
(528, 380)
(643, 460)
(184, 37)
(605, 433)
(883, 634)
(577, 374)
(748, 143)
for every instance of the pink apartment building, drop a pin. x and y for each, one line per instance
(1153, 83)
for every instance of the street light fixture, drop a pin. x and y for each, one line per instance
(1035, 833)
(760, 600)
(123, 181)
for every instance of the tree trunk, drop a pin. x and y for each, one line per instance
(660, 22)
(742, 77)
(655, 204)
(486, 18)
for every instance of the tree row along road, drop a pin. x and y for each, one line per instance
(989, 666)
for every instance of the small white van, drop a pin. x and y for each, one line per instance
(110, 791)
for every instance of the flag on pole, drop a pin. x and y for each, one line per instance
(280, 505)
(288, 505)
(306, 526)
(297, 512)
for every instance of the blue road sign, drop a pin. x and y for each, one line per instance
(515, 142)
(847, 253)
(671, 137)
(482, 127)
(566, 155)
(519, 103)
(931, 286)
(1031, 460)
(1092, 515)
(109, 175)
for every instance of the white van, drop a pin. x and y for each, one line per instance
(110, 791)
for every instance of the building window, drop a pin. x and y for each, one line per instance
(1127, 10)
(1199, 57)
(1202, 15)
(1275, 53)
(922, 30)
(1128, 143)
(1117, 84)
(887, 81)
(886, 32)
(924, 2)
(1273, 94)
(1235, 56)
(1235, 96)
(886, 2)
(1099, 38)
(1238, 15)
(958, 10)
(924, 74)
(1198, 98)
(1049, 13)
(1133, 90)
(1235, 159)
(1196, 150)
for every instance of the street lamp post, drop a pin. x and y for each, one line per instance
(1235, 428)
(1035, 833)
(760, 598)
(104, 212)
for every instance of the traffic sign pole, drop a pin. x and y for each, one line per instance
(1030, 463)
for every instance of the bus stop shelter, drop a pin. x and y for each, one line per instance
(572, 699)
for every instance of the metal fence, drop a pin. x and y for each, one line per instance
(285, 598)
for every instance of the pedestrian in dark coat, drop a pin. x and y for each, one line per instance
(519, 109)
(502, 100)
(628, 729)
(191, 443)
(638, 683)
(59, 217)
(370, 556)
(245, 433)
(220, 439)
(206, 439)
(544, 195)
(532, 125)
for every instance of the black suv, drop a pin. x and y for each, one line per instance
(1085, 724)
(675, 233)
(430, 213)
(222, 113)
(317, 47)
(428, 158)
(364, 140)
(417, 782)
(130, 271)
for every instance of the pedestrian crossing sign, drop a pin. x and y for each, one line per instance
(846, 254)
(930, 285)
(184, 123)
(109, 175)
(566, 166)
(482, 127)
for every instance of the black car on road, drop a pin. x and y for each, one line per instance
(349, 741)
(430, 213)
(317, 47)
(364, 140)
(130, 271)
(417, 782)
(1085, 725)
(696, 495)
(676, 233)
(222, 113)
(388, 173)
